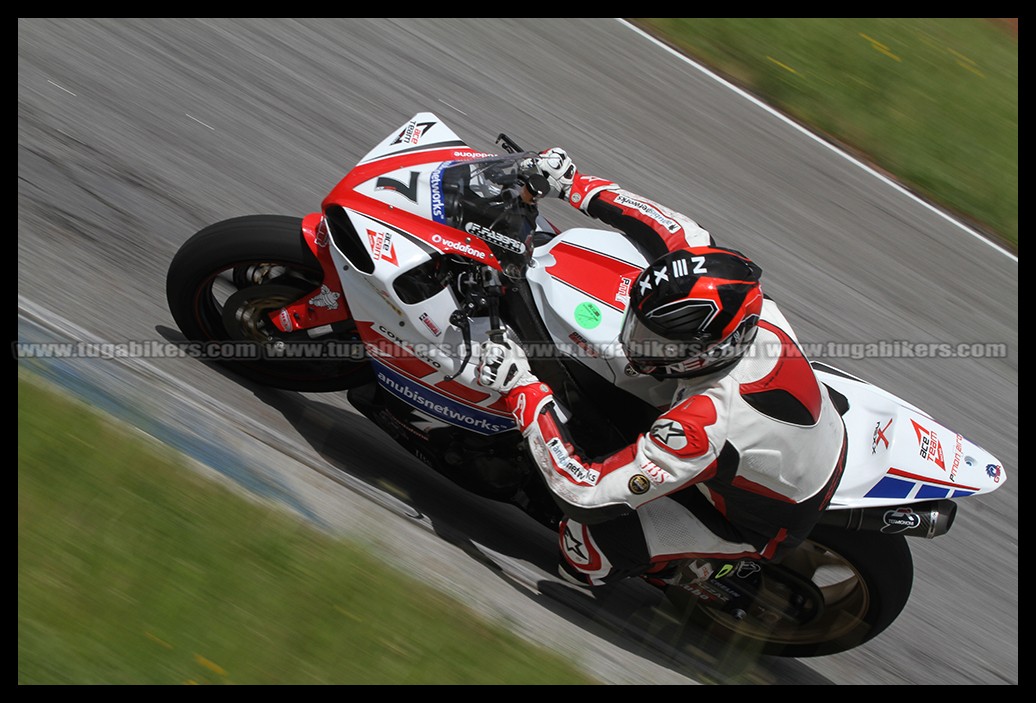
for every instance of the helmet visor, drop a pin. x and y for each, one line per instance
(645, 346)
(652, 353)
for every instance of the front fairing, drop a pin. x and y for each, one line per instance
(426, 171)
(416, 214)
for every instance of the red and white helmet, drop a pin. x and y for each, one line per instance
(692, 312)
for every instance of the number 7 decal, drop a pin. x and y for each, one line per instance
(407, 191)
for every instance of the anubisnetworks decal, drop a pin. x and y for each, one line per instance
(438, 204)
(434, 403)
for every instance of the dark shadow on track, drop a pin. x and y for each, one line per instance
(625, 614)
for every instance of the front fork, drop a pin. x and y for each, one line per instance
(325, 305)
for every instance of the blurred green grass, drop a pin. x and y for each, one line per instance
(133, 569)
(931, 101)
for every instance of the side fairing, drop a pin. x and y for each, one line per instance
(412, 346)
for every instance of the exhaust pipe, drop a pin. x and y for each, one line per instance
(928, 520)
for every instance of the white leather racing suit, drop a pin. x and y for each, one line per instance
(740, 466)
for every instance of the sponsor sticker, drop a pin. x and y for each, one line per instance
(655, 472)
(993, 472)
(581, 342)
(381, 246)
(413, 132)
(639, 484)
(494, 237)
(649, 209)
(326, 298)
(435, 404)
(438, 204)
(452, 245)
(587, 315)
(322, 233)
(900, 520)
(432, 327)
(562, 459)
(958, 453)
(879, 436)
(574, 547)
(929, 446)
(623, 294)
(669, 433)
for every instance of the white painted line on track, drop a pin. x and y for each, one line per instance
(200, 122)
(816, 138)
(62, 88)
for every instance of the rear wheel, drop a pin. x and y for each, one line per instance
(226, 279)
(836, 591)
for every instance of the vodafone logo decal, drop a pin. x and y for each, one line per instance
(457, 246)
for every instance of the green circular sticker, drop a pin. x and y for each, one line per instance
(588, 315)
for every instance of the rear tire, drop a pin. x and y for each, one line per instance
(227, 277)
(856, 585)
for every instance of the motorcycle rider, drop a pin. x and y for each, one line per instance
(752, 447)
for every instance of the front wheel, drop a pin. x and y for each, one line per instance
(226, 279)
(837, 590)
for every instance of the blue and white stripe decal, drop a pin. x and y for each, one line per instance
(891, 487)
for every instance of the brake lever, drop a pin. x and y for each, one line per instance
(494, 290)
(508, 144)
(459, 318)
(488, 298)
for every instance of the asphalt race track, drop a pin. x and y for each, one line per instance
(134, 134)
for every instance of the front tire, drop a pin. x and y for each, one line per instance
(225, 279)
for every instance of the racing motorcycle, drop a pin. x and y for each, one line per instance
(428, 247)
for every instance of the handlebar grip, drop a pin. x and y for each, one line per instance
(538, 185)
